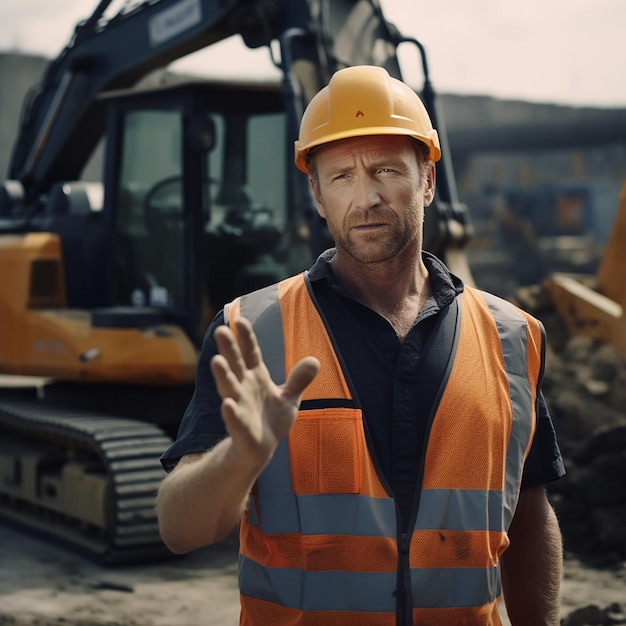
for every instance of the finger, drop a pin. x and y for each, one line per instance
(236, 427)
(300, 378)
(231, 417)
(228, 348)
(226, 381)
(248, 343)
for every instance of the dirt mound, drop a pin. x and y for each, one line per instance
(593, 615)
(585, 389)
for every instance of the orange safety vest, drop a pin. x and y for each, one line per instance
(320, 541)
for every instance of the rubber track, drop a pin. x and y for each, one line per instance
(129, 451)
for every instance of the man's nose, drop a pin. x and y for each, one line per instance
(366, 192)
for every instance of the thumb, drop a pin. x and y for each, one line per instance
(300, 378)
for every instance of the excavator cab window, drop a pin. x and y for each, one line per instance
(200, 180)
(149, 207)
(247, 213)
(246, 185)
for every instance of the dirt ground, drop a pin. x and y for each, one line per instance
(42, 585)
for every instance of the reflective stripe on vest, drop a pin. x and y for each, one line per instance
(320, 537)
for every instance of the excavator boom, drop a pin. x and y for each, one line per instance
(65, 116)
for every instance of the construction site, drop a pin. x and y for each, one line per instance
(533, 209)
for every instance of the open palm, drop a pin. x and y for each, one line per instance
(257, 412)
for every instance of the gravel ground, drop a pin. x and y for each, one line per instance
(42, 585)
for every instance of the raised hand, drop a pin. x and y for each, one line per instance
(257, 412)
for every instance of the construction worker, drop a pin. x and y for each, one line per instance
(376, 427)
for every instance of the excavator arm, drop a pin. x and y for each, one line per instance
(63, 120)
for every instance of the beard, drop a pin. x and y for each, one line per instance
(391, 234)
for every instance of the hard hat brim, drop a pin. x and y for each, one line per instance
(431, 141)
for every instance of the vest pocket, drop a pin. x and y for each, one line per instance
(326, 451)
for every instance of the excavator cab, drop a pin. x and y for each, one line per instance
(198, 214)
(191, 213)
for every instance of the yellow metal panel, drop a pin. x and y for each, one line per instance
(612, 271)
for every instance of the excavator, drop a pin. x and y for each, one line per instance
(107, 286)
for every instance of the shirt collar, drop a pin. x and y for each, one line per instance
(445, 285)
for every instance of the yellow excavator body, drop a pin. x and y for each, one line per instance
(47, 339)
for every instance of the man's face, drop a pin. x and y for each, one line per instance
(372, 193)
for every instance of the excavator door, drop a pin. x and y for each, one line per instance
(197, 188)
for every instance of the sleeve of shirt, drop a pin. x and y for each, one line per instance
(544, 463)
(201, 426)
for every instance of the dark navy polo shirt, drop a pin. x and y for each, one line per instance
(383, 375)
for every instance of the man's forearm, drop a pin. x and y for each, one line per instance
(532, 565)
(203, 499)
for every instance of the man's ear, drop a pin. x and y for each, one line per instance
(429, 193)
(317, 198)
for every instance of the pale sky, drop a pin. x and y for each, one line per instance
(563, 51)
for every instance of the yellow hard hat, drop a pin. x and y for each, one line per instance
(364, 100)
